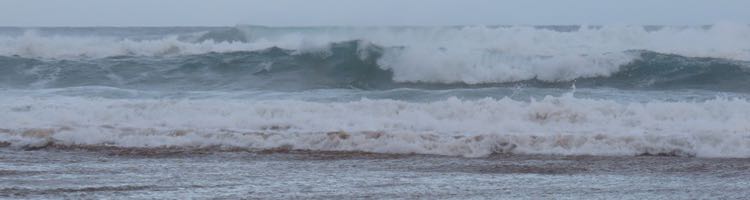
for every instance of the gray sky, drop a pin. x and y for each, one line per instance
(368, 12)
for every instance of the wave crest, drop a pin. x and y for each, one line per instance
(364, 65)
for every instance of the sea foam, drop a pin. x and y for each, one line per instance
(563, 125)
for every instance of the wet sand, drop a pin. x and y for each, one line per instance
(112, 173)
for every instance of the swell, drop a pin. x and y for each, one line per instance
(341, 65)
(358, 64)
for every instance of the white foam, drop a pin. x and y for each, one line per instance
(554, 125)
(31, 44)
(438, 54)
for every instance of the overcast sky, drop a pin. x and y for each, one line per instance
(368, 12)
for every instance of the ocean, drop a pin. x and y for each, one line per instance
(377, 112)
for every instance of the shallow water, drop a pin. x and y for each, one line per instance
(178, 174)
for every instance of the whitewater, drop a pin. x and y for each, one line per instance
(467, 91)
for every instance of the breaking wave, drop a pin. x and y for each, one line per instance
(231, 88)
(563, 125)
(363, 65)
(430, 55)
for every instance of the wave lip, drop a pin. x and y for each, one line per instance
(723, 40)
(364, 65)
(346, 57)
(554, 125)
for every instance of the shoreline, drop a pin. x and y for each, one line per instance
(116, 173)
